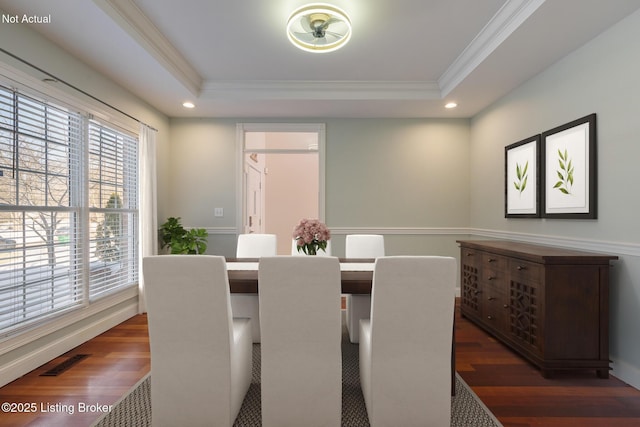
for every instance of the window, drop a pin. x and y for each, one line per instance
(67, 226)
(113, 204)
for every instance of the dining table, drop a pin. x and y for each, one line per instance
(356, 276)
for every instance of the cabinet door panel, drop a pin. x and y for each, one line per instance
(525, 315)
(470, 282)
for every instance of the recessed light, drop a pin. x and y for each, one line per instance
(188, 104)
(451, 105)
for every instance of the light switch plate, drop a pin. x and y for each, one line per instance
(218, 212)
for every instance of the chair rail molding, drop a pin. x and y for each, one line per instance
(618, 248)
(399, 230)
(219, 230)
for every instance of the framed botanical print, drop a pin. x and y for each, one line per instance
(569, 170)
(521, 193)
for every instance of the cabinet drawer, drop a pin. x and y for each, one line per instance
(495, 307)
(525, 271)
(497, 313)
(494, 262)
(495, 277)
(471, 257)
(494, 269)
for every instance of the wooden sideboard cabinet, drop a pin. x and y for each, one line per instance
(551, 305)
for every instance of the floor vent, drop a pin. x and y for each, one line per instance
(60, 368)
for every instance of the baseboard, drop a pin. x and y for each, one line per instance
(43, 354)
(626, 372)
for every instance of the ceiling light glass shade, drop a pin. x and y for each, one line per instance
(319, 28)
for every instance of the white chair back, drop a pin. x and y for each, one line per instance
(201, 358)
(301, 341)
(256, 245)
(359, 306)
(405, 348)
(364, 246)
(252, 245)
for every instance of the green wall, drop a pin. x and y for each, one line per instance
(385, 175)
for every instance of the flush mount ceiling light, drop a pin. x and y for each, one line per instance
(319, 28)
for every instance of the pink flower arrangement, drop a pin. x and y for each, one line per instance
(311, 235)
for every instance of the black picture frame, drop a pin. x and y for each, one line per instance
(569, 170)
(522, 178)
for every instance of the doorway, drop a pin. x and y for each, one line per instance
(282, 178)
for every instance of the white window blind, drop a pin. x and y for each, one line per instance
(59, 251)
(113, 207)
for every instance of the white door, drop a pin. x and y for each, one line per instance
(254, 221)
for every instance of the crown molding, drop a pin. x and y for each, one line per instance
(321, 90)
(510, 16)
(131, 19)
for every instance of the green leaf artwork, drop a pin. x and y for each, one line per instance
(565, 173)
(522, 175)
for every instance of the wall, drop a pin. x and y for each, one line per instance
(407, 179)
(601, 77)
(202, 177)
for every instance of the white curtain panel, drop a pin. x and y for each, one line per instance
(148, 217)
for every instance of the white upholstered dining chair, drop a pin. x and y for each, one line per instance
(405, 347)
(301, 341)
(359, 306)
(252, 245)
(201, 357)
(256, 245)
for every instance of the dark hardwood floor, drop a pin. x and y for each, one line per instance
(519, 396)
(514, 390)
(118, 359)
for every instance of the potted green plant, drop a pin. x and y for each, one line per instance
(180, 240)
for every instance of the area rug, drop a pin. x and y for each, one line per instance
(134, 409)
